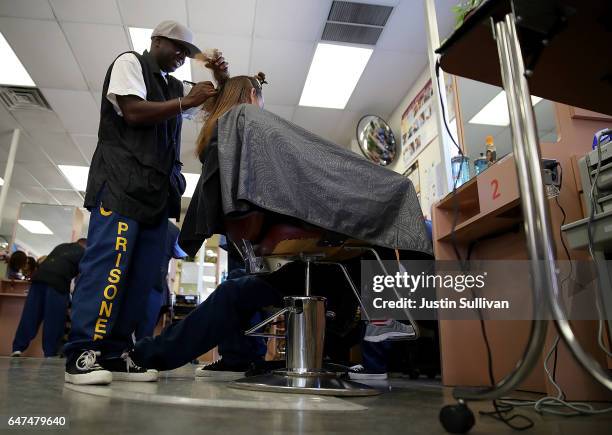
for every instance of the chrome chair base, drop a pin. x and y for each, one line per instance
(312, 382)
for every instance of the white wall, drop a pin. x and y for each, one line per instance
(429, 157)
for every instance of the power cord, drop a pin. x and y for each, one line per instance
(550, 404)
(499, 412)
(600, 341)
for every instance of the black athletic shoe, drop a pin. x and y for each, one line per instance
(83, 369)
(220, 368)
(124, 369)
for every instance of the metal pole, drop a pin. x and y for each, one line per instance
(541, 226)
(307, 292)
(533, 202)
(8, 171)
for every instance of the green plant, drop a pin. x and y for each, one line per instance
(463, 8)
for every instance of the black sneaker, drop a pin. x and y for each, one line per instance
(220, 368)
(124, 369)
(83, 369)
(359, 372)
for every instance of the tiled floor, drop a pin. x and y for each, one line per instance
(179, 404)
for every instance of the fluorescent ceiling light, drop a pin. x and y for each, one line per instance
(76, 176)
(141, 41)
(333, 75)
(496, 111)
(192, 181)
(1, 181)
(12, 72)
(35, 227)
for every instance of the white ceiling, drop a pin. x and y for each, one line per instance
(67, 46)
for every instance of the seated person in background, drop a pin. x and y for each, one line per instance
(16, 263)
(48, 299)
(30, 268)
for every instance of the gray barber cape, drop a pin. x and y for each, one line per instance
(263, 160)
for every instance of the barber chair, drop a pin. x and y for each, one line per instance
(267, 242)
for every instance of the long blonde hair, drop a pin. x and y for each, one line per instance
(234, 91)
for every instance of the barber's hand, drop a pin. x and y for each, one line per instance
(219, 67)
(198, 94)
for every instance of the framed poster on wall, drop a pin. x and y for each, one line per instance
(418, 127)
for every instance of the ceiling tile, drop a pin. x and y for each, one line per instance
(235, 49)
(86, 144)
(405, 29)
(285, 112)
(37, 9)
(48, 175)
(294, 20)
(22, 177)
(87, 11)
(149, 13)
(76, 109)
(44, 51)
(26, 150)
(399, 71)
(59, 147)
(67, 197)
(230, 17)
(96, 46)
(321, 122)
(37, 195)
(45, 120)
(285, 64)
(7, 122)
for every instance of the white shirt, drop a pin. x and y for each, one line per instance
(127, 79)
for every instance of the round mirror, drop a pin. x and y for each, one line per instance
(376, 140)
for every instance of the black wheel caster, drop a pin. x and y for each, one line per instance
(457, 418)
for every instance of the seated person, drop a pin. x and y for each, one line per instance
(230, 308)
(16, 263)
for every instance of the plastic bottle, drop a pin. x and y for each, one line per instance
(480, 164)
(490, 150)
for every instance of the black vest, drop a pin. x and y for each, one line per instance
(133, 166)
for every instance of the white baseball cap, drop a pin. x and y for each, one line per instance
(177, 32)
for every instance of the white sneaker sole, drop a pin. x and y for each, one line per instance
(390, 335)
(366, 376)
(148, 376)
(100, 377)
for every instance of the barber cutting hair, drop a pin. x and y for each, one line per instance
(135, 184)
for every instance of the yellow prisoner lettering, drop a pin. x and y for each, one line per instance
(122, 227)
(118, 259)
(121, 242)
(98, 337)
(106, 294)
(114, 276)
(101, 325)
(105, 212)
(106, 309)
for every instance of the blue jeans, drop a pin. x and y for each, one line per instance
(146, 328)
(112, 291)
(47, 305)
(224, 315)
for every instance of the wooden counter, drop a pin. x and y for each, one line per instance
(489, 210)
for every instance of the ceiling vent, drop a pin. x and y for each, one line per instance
(22, 98)
(355, 23)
